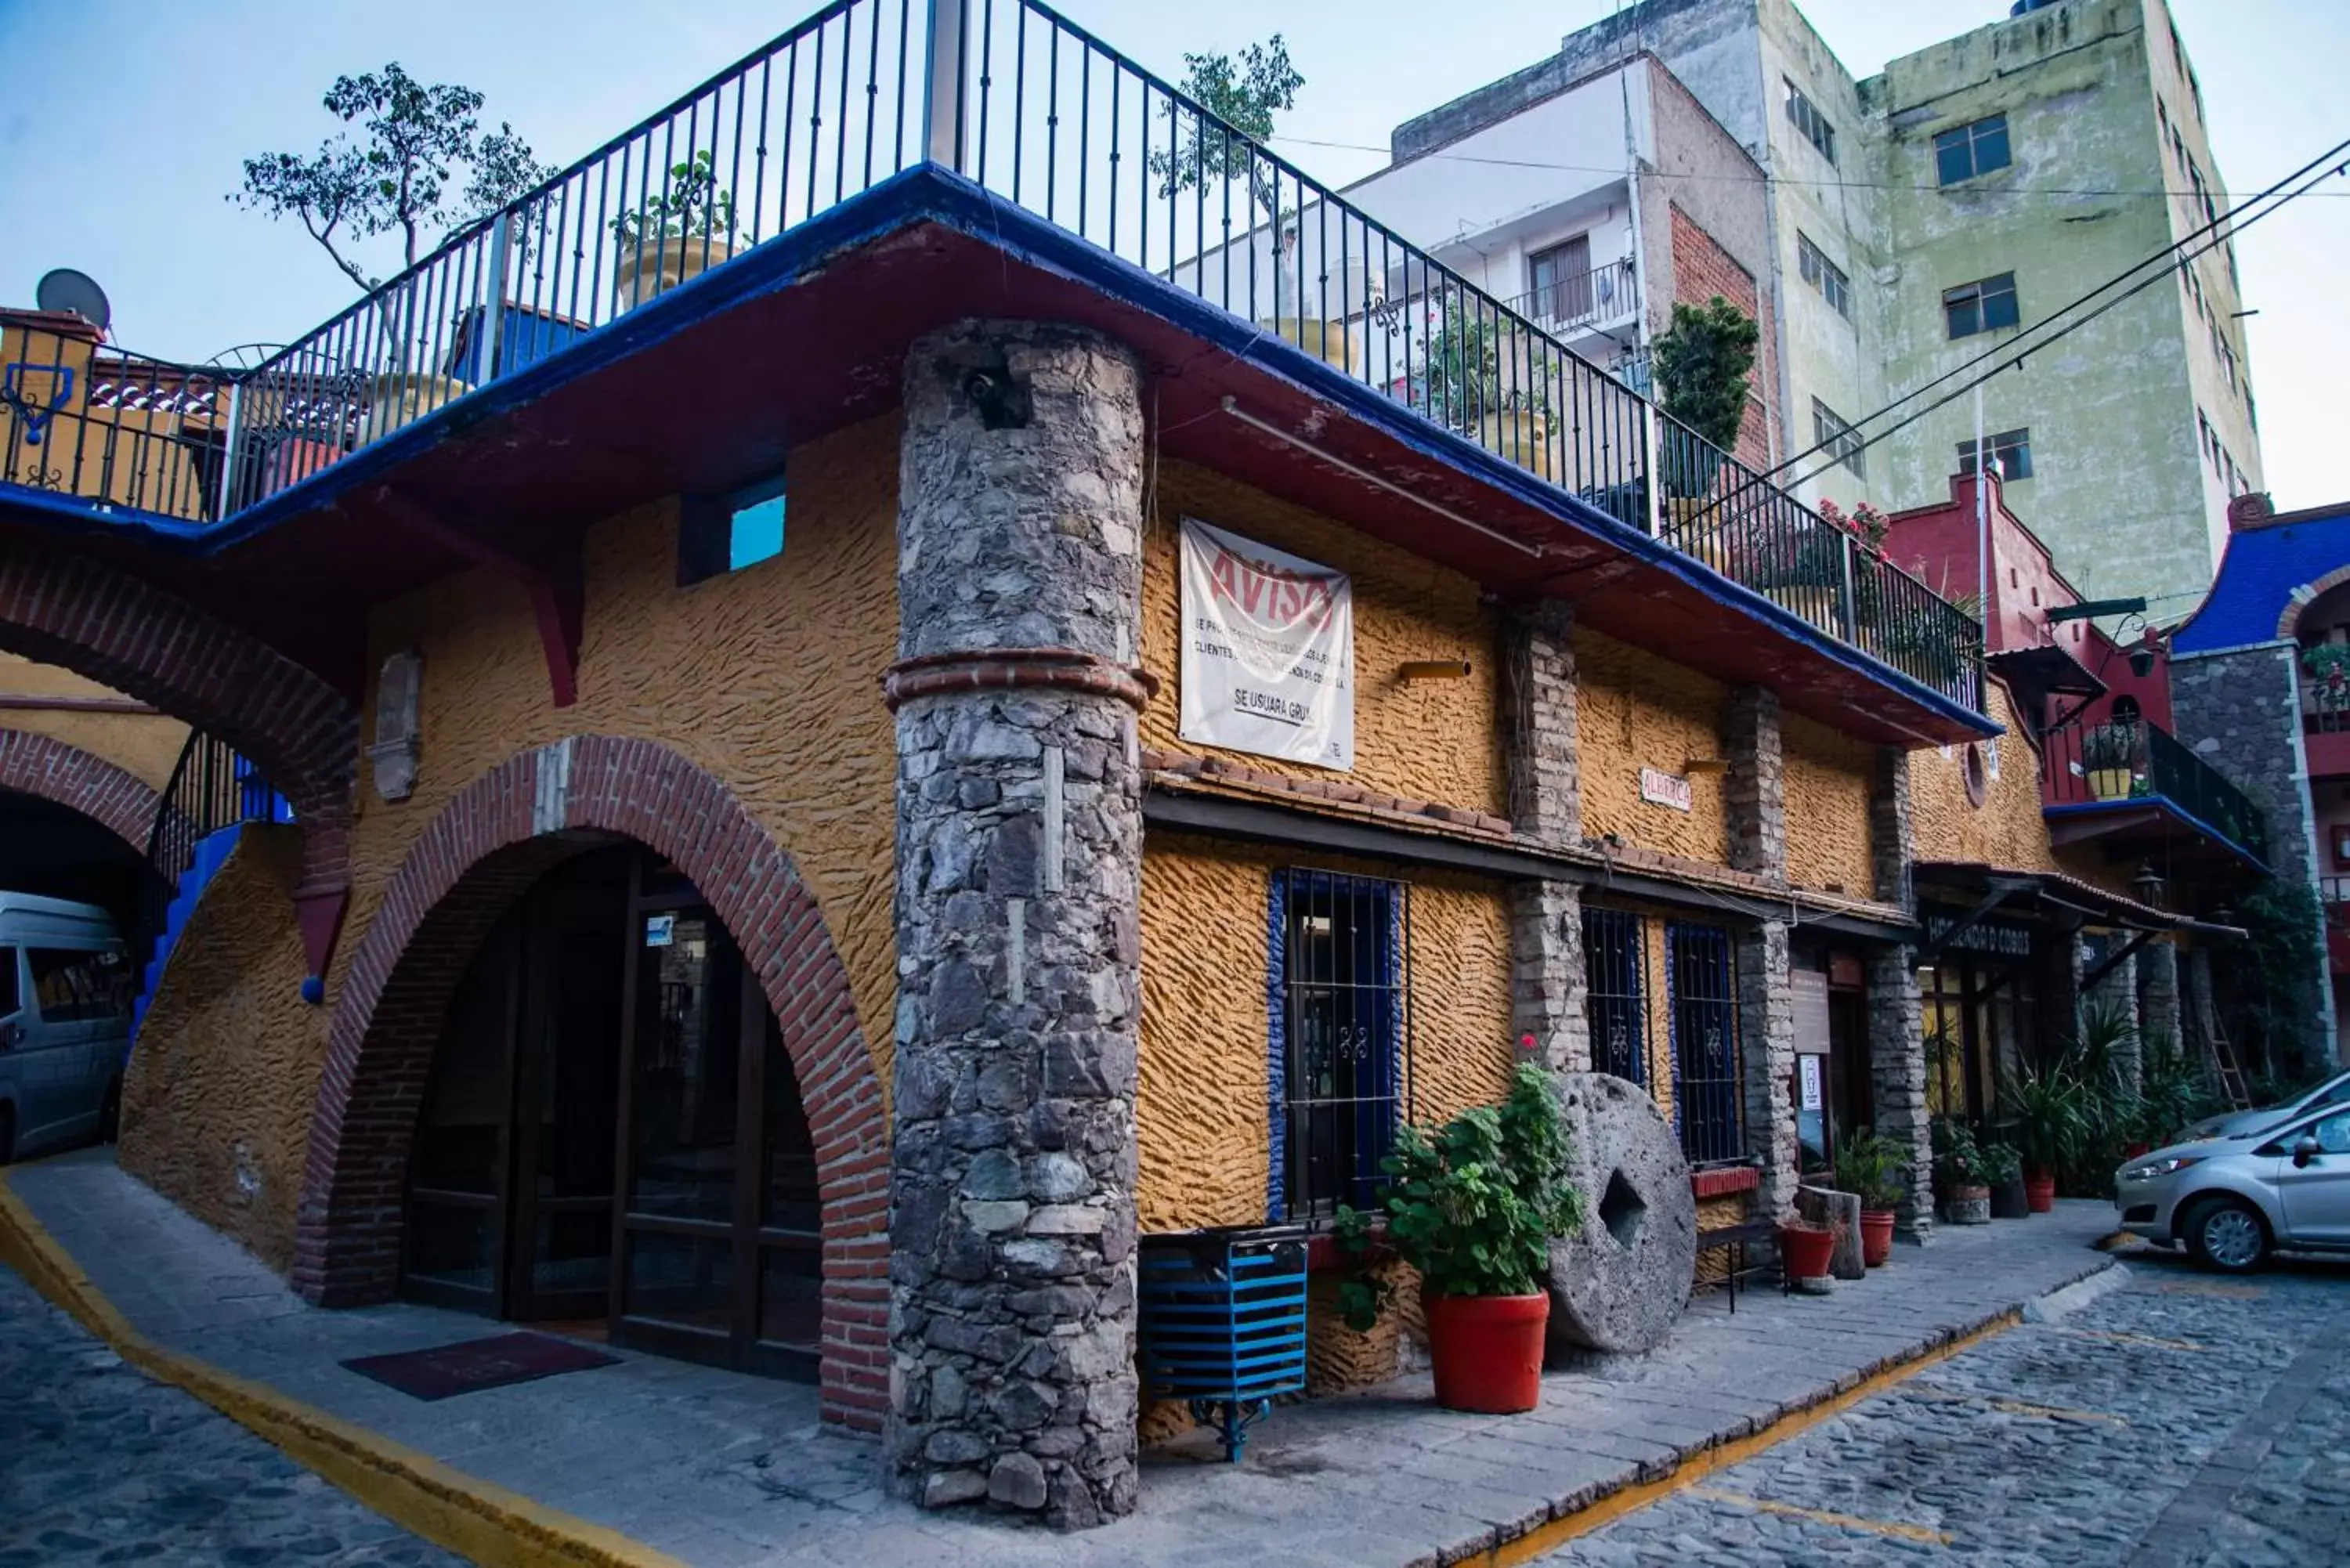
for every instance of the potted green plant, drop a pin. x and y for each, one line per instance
(2003, 1170)
(681, 231)
(1473, 1207)
(2048, 1107)
(1464, 389)
(1959, 1179)
(1870, 1168)
(1702, 363)
(2109, 758)
(2328, 665)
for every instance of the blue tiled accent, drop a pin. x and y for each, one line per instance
(2257, 578)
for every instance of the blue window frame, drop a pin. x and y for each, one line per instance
(1707, 1084)
(723, 533)
(1340, 1014)
(1616, 993)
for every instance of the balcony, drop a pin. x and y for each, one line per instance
(2137, 791)
(1603, 296)
(1047, 126)
(2325, 725)
(2333, 892)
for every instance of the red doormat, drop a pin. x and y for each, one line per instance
(472, 1363)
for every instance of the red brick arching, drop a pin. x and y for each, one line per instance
(497, 836)
(54, 770)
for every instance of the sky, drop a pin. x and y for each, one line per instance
(123, 125)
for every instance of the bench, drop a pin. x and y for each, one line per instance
(1734, 1239)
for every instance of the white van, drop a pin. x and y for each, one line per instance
(64, 1023)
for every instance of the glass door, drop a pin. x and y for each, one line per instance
(457, 1175)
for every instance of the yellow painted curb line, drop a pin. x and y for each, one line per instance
(1632, 1499)
(482, 1522)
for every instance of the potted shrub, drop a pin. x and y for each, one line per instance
(2003, 1170)
(1869, 1168)
(681, 231)
(2109, 758)
(1466, 391)
(1473, 1207)
(1959, 1179)
(1701, 363)
(2049, 1113)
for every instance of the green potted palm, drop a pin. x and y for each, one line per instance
(2048, 1110)
(1702, 363)
(1471, 1206)
(1870, 1168)
(1959, 1180)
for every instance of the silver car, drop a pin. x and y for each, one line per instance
(2334, 1090)
(2232, 1201)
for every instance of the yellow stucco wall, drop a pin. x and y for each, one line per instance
(1201, 1110)
(217, 1103)
(1827, 782)
(768, 677)
(2007, 829)
(1635, 711)
(1423, 739)
(145, 745)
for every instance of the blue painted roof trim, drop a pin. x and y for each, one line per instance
(930, 192)
(2139, 802)
(2257, 578)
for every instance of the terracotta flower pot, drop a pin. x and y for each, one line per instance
(402, 399)
(2040, 1190)
(1805, 1251)
(653, 264)
(1487, 1351)
(1968, 1206)
(1876, 1236)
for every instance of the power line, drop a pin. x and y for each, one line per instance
(1760, 178)
(2016, 349)
(2011, 358)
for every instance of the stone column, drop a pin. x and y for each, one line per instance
(2117, 990)
(1754, 792)
(1766, 1024)
(1019, 859)
(1546, 973)
(1897, 1079)
(2063, 1012)
(1892, 836)
(2158, 1012)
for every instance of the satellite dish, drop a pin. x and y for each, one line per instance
(66, 289)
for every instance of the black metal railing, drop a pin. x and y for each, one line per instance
(2324, 705)
(1604, 293)
(2333, 892)
(212, 786)
(2139, 760)
(111, 428)
(1048, 118)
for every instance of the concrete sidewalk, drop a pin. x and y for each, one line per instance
(715, 1468)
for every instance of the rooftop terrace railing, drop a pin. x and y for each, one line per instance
(1048, 118)
(2137, 760)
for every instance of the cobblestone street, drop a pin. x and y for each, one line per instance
(2184, 1420)
(99, 1463)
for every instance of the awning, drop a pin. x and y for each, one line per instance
(2010, 891)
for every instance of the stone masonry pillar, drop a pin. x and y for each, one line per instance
(2158, 1012)
(2063, 1009)
(1754, 790)
(1019, 861)
(1897, 1079)
(1892, 836)
(2117, 990)
(1766, 1023)
(1546, 969)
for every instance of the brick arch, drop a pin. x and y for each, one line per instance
(2297, 603)
(115, 628)
(500, 834)
(58, 771)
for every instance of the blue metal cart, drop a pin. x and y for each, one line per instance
(1223, 1322)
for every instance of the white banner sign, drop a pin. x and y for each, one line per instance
(1268, 651)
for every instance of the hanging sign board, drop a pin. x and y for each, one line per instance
(1268, 651)
(1808, 989)
(1659, 788)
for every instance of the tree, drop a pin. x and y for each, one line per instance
(1245, 92)
(423, 165)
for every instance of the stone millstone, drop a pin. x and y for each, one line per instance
(1620, 1284)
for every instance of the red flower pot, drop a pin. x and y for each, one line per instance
(1805, 1251)
(1488, 1351)
(1876, 1236)
(2040, 1190)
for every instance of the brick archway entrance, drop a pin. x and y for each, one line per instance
(494, 840)
(59, 771)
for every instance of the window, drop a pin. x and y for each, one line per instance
(9, 1001)
(1338, 967)
(1824, 274)
(2011, 455)
(1616, 965)
(1984, 305)
(723, 533)
(1842, 442)
(1971, 150)
(1561, 276)
(2127, 709)
(1806, 118)
(1707, 1087)
(80, 987)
